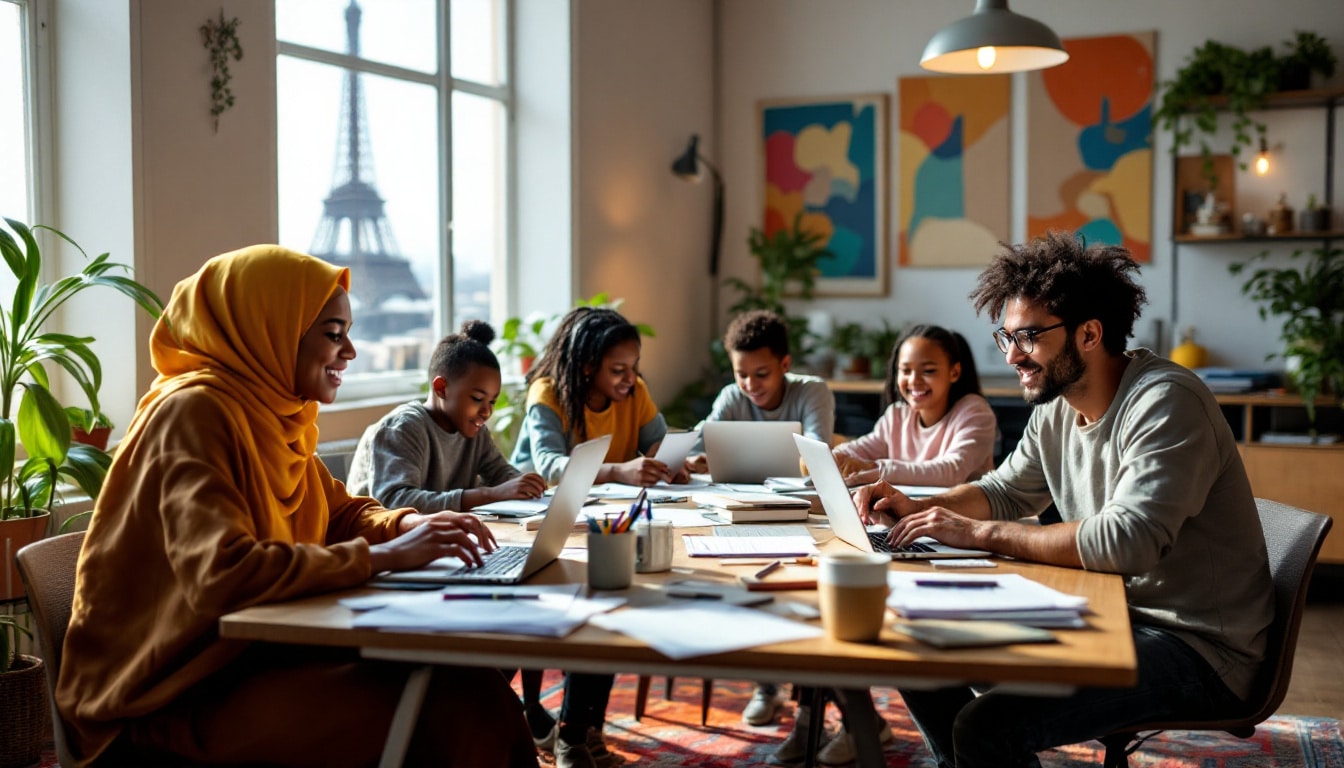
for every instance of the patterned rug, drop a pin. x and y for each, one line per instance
(670, 735)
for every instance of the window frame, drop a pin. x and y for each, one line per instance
(34, 17)
(371, 386)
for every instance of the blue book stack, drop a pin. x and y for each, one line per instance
(1231, 380)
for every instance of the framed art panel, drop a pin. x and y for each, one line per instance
(954, 169)
(1089, 143)
(825, 160)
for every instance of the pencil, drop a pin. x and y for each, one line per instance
(767, 570)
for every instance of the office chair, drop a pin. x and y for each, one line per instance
(642, 696)
(1293, 538)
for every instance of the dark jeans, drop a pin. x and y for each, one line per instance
(963, 730)
(585, 703)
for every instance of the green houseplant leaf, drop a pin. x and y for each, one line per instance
(30, 415)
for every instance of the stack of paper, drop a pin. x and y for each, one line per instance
(1009, 597)
(549, 611)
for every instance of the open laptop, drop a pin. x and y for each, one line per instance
(750, 451)
(512, 563)
(844, 517)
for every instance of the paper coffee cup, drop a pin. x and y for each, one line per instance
(852, 589)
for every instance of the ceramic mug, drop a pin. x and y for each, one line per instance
(852, 590)
(611, 560)
(653, 546)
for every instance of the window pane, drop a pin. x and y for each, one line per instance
(14, 137)
(478, 40)
(397, 32)
(376, 210)
(479, 207)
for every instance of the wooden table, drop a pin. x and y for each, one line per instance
(1101, 655)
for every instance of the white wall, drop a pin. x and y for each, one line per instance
(799, 48)
(644, 75)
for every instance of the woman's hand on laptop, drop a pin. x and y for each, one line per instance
(428, 537)
(881, 503)
(697, 464)
(864, 477)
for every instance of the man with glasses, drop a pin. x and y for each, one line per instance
(1137, 456)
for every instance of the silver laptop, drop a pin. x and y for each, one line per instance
(750, 451)
(512, 563)
(844, 517)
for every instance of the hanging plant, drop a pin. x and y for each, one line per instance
(221, 40)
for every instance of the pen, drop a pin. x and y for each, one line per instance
(957, 584)
(767, 570)
(489, 596)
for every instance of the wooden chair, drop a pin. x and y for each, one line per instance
(47, 568)
(642, 696)
(1293, 537)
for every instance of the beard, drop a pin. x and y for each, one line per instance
(1058, 376)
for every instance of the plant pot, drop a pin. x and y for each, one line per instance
(525, 363)
(97, 438)
(16, 534)
(1313, 220)
(23, 710)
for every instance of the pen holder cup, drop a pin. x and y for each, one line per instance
(611, 560)
(653, 546)
(852, 589)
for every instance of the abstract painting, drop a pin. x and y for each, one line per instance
(1089, 145)
(825, 160)
(954, 169)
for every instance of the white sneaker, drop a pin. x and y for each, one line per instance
(573, 755)
(794, 746)
(841, 750)
(762, 707)
(547, 743)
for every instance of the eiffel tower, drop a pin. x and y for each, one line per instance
(354, 231)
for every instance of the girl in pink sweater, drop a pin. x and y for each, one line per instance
(938, 429)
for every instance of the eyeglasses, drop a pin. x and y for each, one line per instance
(1024, 338)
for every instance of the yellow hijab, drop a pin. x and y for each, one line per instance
(235, 327)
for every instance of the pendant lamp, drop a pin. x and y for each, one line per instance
(993, 40)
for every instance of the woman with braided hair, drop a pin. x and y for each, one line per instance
(586, 384)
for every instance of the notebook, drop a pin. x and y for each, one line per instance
(512, 563)
(844, 517)
(750, 451)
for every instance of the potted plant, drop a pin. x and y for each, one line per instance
(880, 343)
(1308, 52)
(89, 427)
(853, 359)
(1311, 301)
(522, 339)
(23, 697)
(30, 416)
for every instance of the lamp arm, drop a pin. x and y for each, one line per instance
(717, 231)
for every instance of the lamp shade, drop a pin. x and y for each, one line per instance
(687, 165)
(993, 40)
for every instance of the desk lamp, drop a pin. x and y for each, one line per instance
(687, 167)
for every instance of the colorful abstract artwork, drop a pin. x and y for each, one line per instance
(825, 161)
(1089, 145)
(954, 169)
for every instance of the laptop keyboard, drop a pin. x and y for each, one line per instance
(501, 562)
(879, 541)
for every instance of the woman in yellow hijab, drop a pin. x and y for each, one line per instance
(216, 502)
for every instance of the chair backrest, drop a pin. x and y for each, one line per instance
(1293, 537)
(47, 568)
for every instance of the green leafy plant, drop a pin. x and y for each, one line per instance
(788, 261)
(1311, 301)
(86, 419)
(9, 642)
(1218, 77)
(220, 38)
(30, 415)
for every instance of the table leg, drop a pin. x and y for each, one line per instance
(814, 725)
(861, 724)
(403, 720)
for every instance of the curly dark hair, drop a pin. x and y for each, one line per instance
(456, 353)
(582, 339)
(958, 351)
(758, 329)
(1073, 281)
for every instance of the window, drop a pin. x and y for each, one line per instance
(396, 168)
(18, 86)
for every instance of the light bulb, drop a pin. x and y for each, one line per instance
(1261, 165)
(985, 56)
